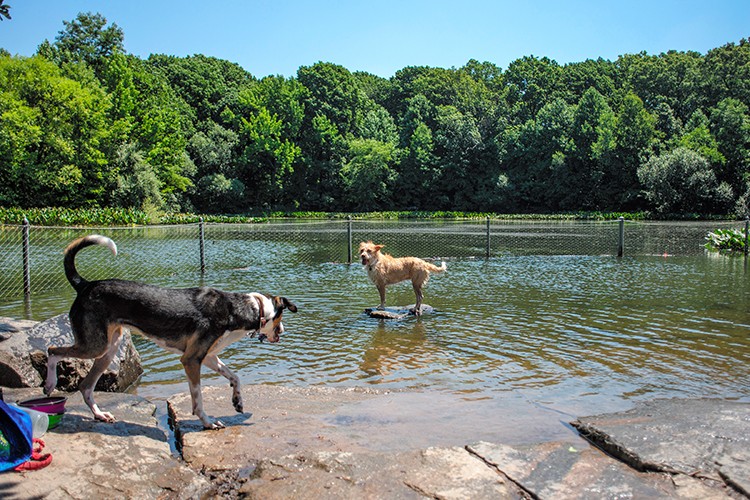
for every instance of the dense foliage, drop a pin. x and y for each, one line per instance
(83, 124)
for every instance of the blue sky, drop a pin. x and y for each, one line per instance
(277, 36)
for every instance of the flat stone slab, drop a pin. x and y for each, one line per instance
(559, 470)
(448, 473)
(319, 442)
(397, 312)
(707, 438)
(280, 420)
(130, 458)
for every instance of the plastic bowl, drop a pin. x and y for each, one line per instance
(47, 405)
(54, 419)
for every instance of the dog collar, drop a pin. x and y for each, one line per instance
(261, 313)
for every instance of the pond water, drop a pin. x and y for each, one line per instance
(577, 335)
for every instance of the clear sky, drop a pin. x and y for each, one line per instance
(278, 36)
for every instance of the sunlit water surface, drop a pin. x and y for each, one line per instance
(580, 334)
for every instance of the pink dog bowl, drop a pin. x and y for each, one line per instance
(47, 405)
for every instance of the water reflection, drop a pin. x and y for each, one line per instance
(572, 333)
(392, 351)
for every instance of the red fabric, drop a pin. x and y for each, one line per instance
(38, 460)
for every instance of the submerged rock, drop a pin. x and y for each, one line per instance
(397, 312)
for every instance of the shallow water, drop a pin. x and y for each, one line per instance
(577, 335)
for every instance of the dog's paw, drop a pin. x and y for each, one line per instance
(105, 416)
(213, 426)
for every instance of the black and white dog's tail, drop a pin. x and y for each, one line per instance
(74, 278)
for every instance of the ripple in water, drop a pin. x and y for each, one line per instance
(574, 333)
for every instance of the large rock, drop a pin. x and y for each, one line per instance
(706, 438)
(23, 359)
(559, 470)
(16, 369)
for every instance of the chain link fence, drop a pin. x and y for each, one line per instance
(31, 256)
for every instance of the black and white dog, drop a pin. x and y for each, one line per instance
(197, 323)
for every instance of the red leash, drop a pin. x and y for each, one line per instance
(38, 460)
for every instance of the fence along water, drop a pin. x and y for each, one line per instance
(31, 256)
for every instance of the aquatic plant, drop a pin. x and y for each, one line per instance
(726, 241)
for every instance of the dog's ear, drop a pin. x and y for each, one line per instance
(283, 302)
(378, 247)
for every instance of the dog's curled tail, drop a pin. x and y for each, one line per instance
(70, 252)
(436, 269)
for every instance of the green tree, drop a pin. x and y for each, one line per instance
(725, 73)
(531, 82)
(368, 175)
(86, 39)
(207, 84)
(534, 156)
(376, 88)
(578, 77)
(682, 181)
(216, 193)
(486, 72)
(672, 78)
(51, 134)
(282, 97)
(458, 143)
(214, 150)
(593, 137)
(698, 138)
(319, 182)
(377, 124)
(119, 80)
(332, 91)
(730, 125)
(160, 130)
(137, 183)
(418, 171)
(267, 159)
(635, 132)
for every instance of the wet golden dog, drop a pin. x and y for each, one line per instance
(385, 270)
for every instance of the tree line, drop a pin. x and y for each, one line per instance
(84, 124)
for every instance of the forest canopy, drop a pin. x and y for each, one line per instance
(84, 124)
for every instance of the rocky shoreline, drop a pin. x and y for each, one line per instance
(319, 442)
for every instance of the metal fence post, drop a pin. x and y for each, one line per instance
(26, 266)
(621, 243)
(487, 253)
(349, 234)
(202, 246)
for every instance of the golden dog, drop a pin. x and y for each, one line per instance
(385, 270)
